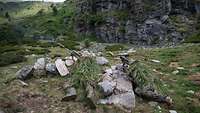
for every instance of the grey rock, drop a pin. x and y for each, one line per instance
(107, 87)
(172, 111)
(25, 73)
(71, 94)
(40, 64)
(51, 69)
(123, 85)
(125, 101)
(39, 67)
(61, 67)
(69, 62)
(102, 61)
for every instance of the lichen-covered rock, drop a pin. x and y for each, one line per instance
(25, 73)
(51, 69)
(61, 67)
(39, 67)
(107, 87)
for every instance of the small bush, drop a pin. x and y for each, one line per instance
(11, 58)
(116, 47)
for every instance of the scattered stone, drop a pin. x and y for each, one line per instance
(62, 69)
(190, 92)
(172, 111)
(40, 64)
(71, 94)
(130, 51)
(102, 61)
(175, 72)
(155, 61)
(123, 54)
(107, 87)
(69, 62)
(23, 83)
(153, 104)
(125, 101)
(51, 69)
(87, 54)
(25, 72)
(180, 68)
(71, 58)
(39, 67)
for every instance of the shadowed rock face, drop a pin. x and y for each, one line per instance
(140, 22)
(33, 0)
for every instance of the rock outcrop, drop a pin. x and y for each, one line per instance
(141, 22)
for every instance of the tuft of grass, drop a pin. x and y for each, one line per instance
(195, 38)
(143, 76)
(11, 58)
(86, 72)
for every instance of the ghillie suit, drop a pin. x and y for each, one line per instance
(145, 84)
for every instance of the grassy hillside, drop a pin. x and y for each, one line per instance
(176, 85)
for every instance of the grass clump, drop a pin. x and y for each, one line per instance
(11, 58)
(116, 47)
(193, 39)
(140, 74)
(86, 72)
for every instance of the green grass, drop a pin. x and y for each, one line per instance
(86, 72)
(195, 38)
(115, 47)
(177, 85)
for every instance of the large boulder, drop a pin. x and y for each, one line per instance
(61, 67)
(102, 61)
(25, 73)
(125, 101)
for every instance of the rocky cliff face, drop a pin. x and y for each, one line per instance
(143, 22)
